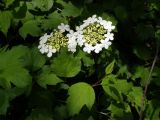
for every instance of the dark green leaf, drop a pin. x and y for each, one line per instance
(4, 102)
(40, 115)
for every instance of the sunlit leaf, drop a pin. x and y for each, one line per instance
(80, 94)
(110, 67)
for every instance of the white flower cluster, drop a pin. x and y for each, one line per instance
(50, 44)
(93, 35)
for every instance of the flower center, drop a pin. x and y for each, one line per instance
(94, 33)
(58, 40)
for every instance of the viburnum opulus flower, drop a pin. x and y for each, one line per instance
(94, 34)
(52, 43)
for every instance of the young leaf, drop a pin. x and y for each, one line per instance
(66, 65)
(80, 94)
(109, 68)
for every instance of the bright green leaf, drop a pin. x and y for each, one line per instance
(31, 28)
(5, 21)
(66, 65)
(110, 67)
(141, 72)
(135, 96)
(80, 94)
(116, 87)
(120, 112)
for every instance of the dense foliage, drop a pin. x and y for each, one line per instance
(119, 83)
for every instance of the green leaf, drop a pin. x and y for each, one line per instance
(110, 17)
(142, 52)
(60, 112)
(37, 59)
(152, 110)
(30, 27)
(43, 5)
(69, 9)
(66, 65)
(18, 76)
(135, 96)
(39, 115)
(5, 21)
(20, 11)
(121, 13)
(110, 67)
(157, 36)
(120, 112)
(4, 102)
(141, 72)
(80, 94)
(52, 21)
(87, 60)
(8, 2)
(12, 68)
(115, 87)
(48, 79)
(145, 31)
